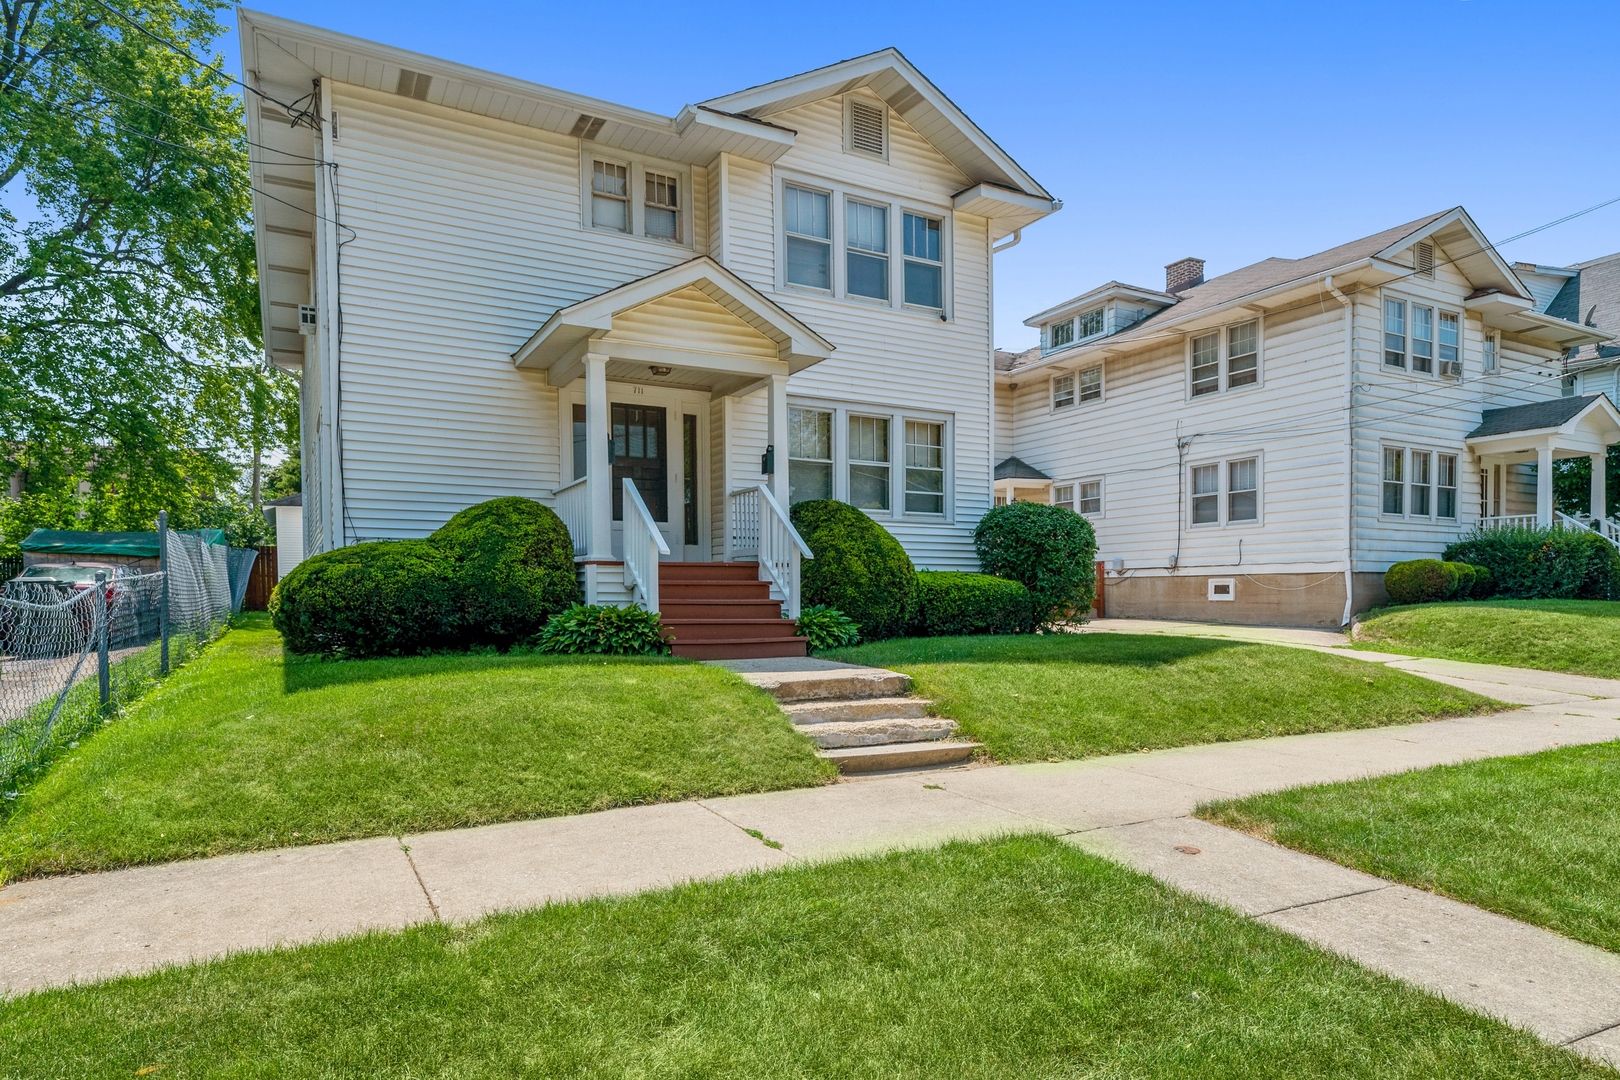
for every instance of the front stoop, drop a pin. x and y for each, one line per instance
(722, 611)
(864, 719)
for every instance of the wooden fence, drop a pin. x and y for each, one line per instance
(261, 581)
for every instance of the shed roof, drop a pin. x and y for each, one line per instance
(295, 499)
(1015, 468)
(1555, 412)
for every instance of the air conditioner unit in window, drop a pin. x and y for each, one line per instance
(1451, 369)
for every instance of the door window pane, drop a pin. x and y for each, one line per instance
(810, 458)
(869, 462)
(866, 235)
(809, 250)
(1420, 482)
(925, 268)
(580, 458)
(1243, 354)
(1394, 480)
(1206, 494)
(610, 196)
(1395, 333)
(1206, 364)
(1422, 338)
(641, 453)
(925, 467)
(689, 477)
(1242, 493)
(1091, 497)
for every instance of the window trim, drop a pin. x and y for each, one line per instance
(1439, 309)
(842, 411)
(1053, 404)
(1076, 393)
(636, 203)
(839, 195)
(1223, 493)
(1223, 346)
(1435, 454)
(887, 254)
(1077, 500)
(835, 272)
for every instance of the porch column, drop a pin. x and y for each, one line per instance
(1600, 486)
(1544, 485)
(778, 437)
(598, 470)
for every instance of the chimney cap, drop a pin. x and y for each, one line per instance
(1183, 274)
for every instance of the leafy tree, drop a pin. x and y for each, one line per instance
(1572, 484)
(131, 377)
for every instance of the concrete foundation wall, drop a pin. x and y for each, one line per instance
(1257, 599)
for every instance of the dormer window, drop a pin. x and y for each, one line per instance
(1091, 324)
(1062, 334)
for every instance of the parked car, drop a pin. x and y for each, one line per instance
(67, 579)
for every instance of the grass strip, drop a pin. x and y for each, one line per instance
(1581, 637)
(1058, 696)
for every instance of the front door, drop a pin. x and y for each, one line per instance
(641, 454)
(658, 446)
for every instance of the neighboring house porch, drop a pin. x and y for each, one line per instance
(1541, 433)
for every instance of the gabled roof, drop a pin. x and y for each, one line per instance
(893, 78)
(1114, 290)
(1597, 303)
(1015, 468)
(1538, 415)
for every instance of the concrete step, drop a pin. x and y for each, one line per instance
(833, 734)
(741, 648)
(824, 685)
(883, 708)
(867, 759)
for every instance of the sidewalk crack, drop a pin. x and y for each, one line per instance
(1592, 1034)
(1324, 900)
(433, 907)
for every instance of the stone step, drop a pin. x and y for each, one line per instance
(883, 708)
(867, 759)
(795, 686)
(833, 734)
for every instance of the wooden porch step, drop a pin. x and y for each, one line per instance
(721, 589)
(672, 608)
(707, 571)
(741, 648)
(727, 629)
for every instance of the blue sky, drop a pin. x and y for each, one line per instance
(1229, 131)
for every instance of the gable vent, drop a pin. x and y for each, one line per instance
(1423, 258)
(413, 84)
(866, 128)
(587, 127)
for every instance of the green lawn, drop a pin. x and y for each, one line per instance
(1578, 636)
(245, 748)
(1017, 958)
(1534, 837)
(1054, 696)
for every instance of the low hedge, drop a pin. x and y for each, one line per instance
(857, 568)
(950, 603)
(1544, 563)
(1050, 550)
(492, 575)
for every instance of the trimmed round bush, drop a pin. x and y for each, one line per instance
(1050, 550)
(1420, 581)
(1543, 564)
(1483, 584)
(1465, 581)
(492, 575)
(950, 603)
(858, 567)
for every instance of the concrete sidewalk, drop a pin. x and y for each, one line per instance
(1132, 807)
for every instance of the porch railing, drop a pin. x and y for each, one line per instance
(574, 507)
(759, 528)
(1607, 528)
(1510, 521)
(643, 543)
(1604, 528)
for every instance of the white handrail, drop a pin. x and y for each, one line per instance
(1509, 521)
(759, 526)
(574, 507)
(643, 543)
(1603, 528)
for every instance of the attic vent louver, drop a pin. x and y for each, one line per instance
(866, 128)
(587, 127)
(1423, 258)
(413, 84)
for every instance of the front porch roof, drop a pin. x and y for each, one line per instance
(1572, 426)
(761, 338)
(1016, 468)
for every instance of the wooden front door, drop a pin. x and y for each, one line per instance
(641, 452)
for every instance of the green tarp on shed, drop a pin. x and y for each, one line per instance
(142, 545)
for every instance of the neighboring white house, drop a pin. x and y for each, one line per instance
(1261, 446)
(1587, 293)
(492, 287)
(286, 519)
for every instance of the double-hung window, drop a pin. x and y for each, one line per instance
(1394, 480)
(610, 196)
(866, 259)
(1490, 352)
(869, 462)
(1395, 333)
(663, 206)
(809, 237)
(1090, 498)
(1419, 483)
(810, 455)
(1075, 386)
(925, 262)
(925, 467)
(1063, 390)
(1450, 344)
(1226, 492)
(1063, 495)
(1445, 492)
(1226, 359)
(1091, 383)
(1423, 339)
(1417, 335)
(1421, 470)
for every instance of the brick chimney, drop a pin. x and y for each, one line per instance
(1183, 274)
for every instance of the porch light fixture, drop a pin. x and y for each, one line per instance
(659, 369)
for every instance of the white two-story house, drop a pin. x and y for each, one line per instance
(491, 287)
(1262, 445)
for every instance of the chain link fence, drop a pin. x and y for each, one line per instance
(72, 657)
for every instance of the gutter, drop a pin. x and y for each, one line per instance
(1349, 446)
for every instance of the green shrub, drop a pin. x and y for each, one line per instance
(858, 567)
(1420, 581)
(608, 631)
(1483, 583)
(1464, 589)
(1543, 563)
(1050, 550)
(827, 628)
(492, 575)
(951, 603)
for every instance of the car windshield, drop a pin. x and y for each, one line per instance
(60, 573)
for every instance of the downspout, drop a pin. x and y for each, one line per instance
(1349, 448)
(1018, 235)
